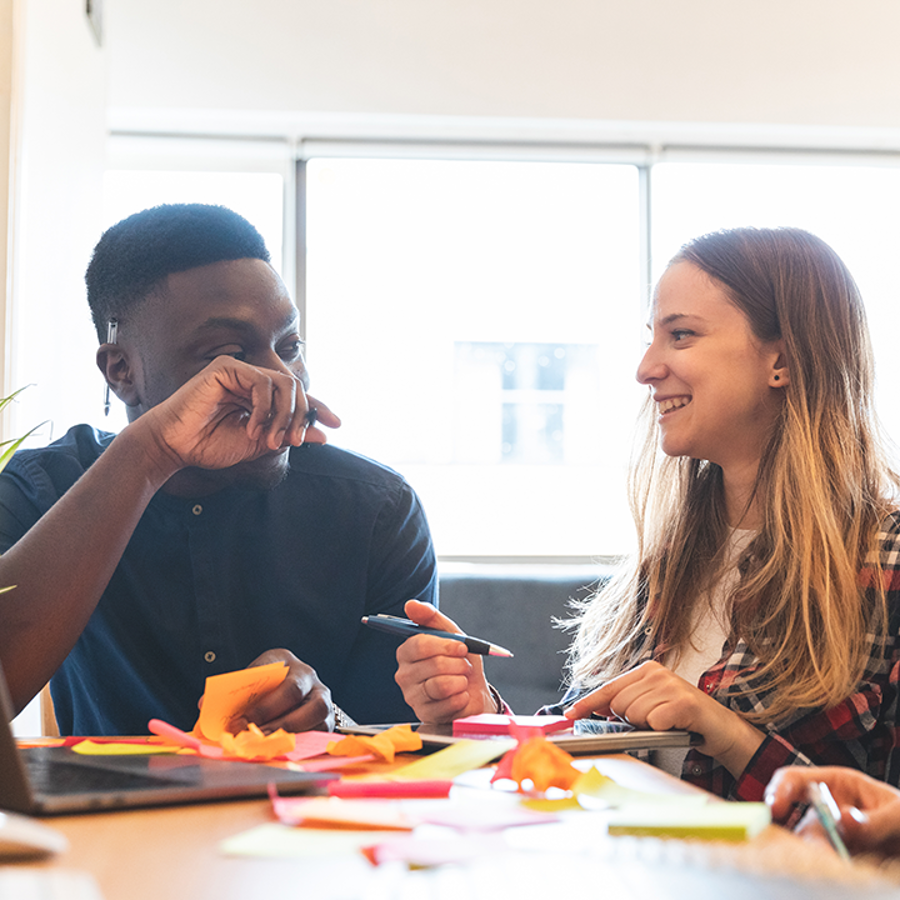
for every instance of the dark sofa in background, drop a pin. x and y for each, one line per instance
(514, 606)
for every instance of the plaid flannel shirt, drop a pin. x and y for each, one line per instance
(863, 731)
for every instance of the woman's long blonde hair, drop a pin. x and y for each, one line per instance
(823, 487)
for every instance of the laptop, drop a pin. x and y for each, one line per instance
(55, 780)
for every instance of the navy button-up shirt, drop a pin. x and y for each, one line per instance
(207, 585)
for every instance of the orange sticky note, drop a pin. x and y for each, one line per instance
(541, 762)
(398, 739)
(252, 744)
(228, 695)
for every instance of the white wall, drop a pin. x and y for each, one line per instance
(59, 145)
(787, 62)
(7, 163)
(55, 114)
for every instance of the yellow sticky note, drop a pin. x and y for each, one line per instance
(541, 804)
(227, 696)
(94, 748)
(714, 821)
(454, 760)
(594, 783)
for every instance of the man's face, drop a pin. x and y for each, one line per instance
(237, 308)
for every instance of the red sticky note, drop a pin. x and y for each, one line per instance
(397, 789)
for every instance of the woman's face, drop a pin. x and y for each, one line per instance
(716, 386)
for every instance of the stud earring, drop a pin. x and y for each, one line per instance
(778, 378)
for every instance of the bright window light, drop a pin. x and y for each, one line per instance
(477, 327)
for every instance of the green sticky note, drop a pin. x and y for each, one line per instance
(714, 821)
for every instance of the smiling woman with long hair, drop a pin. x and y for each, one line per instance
(762, 605)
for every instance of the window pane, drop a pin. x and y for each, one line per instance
(853, 208)
(477, 326)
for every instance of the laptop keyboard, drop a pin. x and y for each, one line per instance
(59, 778)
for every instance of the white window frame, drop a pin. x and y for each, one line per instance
(641, 145)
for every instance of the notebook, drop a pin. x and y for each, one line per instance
(586, 736)
(51, 780)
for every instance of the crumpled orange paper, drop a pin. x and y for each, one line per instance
(252, 744)
(397, 739)
(226, 696)
(537, 760)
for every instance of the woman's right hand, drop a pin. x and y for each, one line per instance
(439, 678)
(870, 809)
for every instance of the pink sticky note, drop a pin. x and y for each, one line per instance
(309, 744)
(333, 763)
(483, 818)
(183, 739)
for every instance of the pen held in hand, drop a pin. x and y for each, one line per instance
(828, 814)
(408, 628)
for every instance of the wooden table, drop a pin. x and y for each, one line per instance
(173, 852)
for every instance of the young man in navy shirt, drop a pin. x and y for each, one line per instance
(218, 529)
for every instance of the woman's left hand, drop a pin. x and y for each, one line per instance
(651, 696)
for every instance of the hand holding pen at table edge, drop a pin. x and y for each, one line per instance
(869, 820)
(408, 628)
(440, 679)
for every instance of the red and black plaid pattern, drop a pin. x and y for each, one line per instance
(862, 732)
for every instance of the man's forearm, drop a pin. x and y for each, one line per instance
(61, 566)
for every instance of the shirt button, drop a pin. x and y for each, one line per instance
(197, 510)
(209, 656)
(696, 770)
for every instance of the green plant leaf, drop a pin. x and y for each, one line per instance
(7, 448)
(10, 447)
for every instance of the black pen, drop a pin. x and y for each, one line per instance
(393, 625)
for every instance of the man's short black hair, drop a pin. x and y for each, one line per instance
(134, 256)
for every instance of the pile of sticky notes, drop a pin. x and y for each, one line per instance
(228, 696)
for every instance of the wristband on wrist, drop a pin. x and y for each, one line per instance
(341, 719)
(499, 704)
